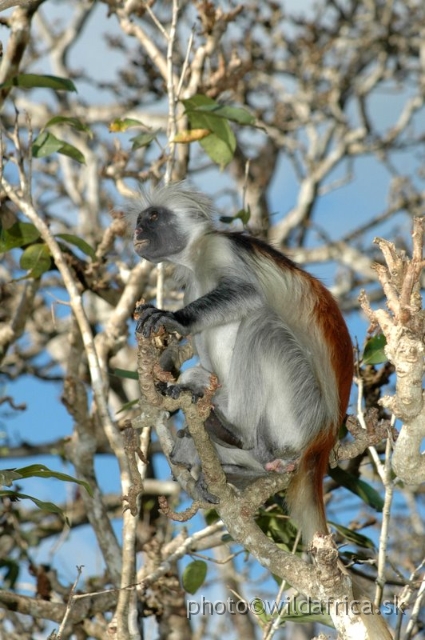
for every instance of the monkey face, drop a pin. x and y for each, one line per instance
(157, 235)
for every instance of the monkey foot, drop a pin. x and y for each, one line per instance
(175, 390)
(281, 466)
(203, 492)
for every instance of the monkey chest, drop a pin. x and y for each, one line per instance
(215, 347)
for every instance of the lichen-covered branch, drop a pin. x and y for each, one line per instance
(403, 326)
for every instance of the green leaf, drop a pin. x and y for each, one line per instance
(194, 576)
(46, 143)
(298, 609)
(72, 152)
(280, 530)
(374, 352)
(18, 235)
(302, 610)
(41, 504)
(244, 215)
(235, 114)
(12, 571)
(217, 150)
(34, 80)
(143, 139)
(127, 405)
(36, 259)
(359, 487)
(8, 477)
(353, 536)
(78, 242)
(41, 471)
(75, 123)
(221, 144)
(120, 125)
(211, 516)
(124, 373)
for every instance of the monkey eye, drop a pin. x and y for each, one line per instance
(153, 216)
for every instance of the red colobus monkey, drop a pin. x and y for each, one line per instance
(272, 334)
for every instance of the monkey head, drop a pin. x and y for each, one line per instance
(157, 235)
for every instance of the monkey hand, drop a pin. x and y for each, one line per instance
(150, 320)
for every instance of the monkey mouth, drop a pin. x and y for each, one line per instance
(139, 244)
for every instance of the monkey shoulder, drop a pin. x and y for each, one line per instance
(244, 243)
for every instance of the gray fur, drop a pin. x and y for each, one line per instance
(257, 333)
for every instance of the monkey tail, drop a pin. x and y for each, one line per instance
(304, 496)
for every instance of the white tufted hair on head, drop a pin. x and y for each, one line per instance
(187, 203)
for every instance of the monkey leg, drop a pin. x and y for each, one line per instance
(221, 431)
(184, 454)
(195, 380)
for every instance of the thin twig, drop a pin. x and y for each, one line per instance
(171, 92)
(281, 611)
(384, 533)
(245, 184)
(417, 607)
(171, 132)
(156, 21)
(185, 63)
(70, 603)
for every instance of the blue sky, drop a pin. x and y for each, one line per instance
(46, 418)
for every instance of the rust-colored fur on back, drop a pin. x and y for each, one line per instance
(305, 494)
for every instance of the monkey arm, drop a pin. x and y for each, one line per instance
(231, 300)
